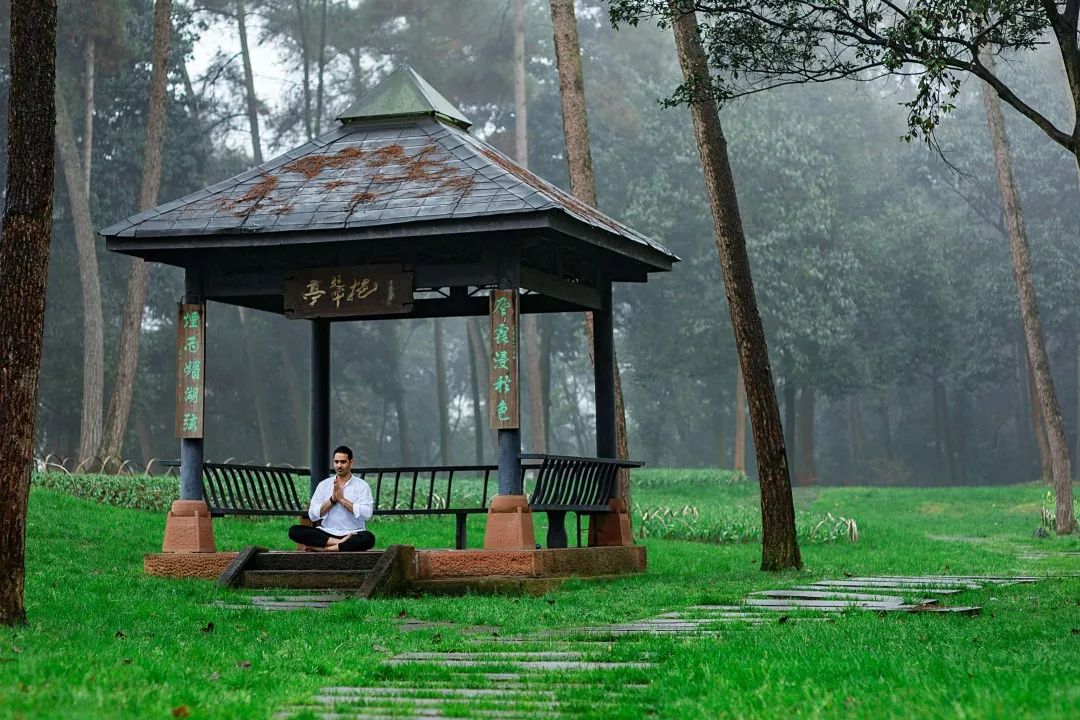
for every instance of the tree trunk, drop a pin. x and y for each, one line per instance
(740, 421)
(807, 466)
(252, 102)
(294, 391)
(886, 428)
(135, 302)
(521, 113)
(321, 68)
(88, 112)
(529, 323)
(474, 385)
(1029, 312)
(959, 435)
(397, 387)
(856, 433)
(305, 61)
(24, 266)
(790, 416)
(257, 389)
(442, 395)
(546, 329)
(476, 342)
(1038, 428)
(93, 325)
(780, 548)
(582, 181)
(1023, 426)
(941, 415)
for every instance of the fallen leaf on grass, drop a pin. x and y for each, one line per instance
(214, 676)
(1076, 631)
(180, 712)
(402, 613)
(378, 648)
(126, 661)
(243, 664)
(120, 634)
(209, 628)
(783, 619)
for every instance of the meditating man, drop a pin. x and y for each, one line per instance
(343, 503)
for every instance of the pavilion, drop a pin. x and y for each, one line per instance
(398, 211)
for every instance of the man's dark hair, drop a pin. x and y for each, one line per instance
(342, 449)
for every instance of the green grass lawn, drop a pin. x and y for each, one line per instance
(106, 641)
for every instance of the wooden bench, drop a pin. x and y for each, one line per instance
(581, 485)
(231, 489)
(561, 484)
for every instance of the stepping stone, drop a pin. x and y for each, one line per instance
(869, 588)
(829, 595)
(796, 604)
(881, 584)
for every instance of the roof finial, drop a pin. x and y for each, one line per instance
(403, 93)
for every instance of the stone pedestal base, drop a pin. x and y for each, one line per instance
(509, 524)
(613, 528)
(188, 528)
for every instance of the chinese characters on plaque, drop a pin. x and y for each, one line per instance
(190, 375)
(503, 390)
(348, 291)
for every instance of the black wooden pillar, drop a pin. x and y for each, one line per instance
(320, 401)
(191, 449)
(510, 480)
(604, 374)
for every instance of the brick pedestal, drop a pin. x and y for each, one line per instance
(188, 528)
(509, 524)
(612, 528)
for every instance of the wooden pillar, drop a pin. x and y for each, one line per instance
(191, 449)
(604, 374)
(612, 528)
(510, 481)
(320, 400)
(509, 520)
(188, 526)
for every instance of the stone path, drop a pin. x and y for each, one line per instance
(515, 680)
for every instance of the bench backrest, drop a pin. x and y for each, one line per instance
(251, 490)
(573, 483)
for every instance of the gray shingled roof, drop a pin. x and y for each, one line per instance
(361, 175)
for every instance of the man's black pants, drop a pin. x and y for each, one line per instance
(317, 537)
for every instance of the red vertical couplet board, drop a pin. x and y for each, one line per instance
(190, 370)
(503, 390)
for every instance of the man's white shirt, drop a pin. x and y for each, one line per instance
(338, 520)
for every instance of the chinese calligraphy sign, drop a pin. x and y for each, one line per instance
(503, 390)
(348, 291)
(190, 375)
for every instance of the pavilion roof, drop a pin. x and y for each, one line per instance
(401, 156)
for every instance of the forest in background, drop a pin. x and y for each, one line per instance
(882, 269)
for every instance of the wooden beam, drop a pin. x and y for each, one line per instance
(553, 287)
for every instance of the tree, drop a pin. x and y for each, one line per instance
(134, 304)
(582, 181)
(757, 46)
(75, 173)
(1039, 361)
(761, 44)
(780, 548)
(24, 266)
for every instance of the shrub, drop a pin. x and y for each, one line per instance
(735, 525)
(137, 492)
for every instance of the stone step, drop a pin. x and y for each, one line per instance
(303, 579)
(356, 561)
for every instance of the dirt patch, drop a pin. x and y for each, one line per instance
(932, 508)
